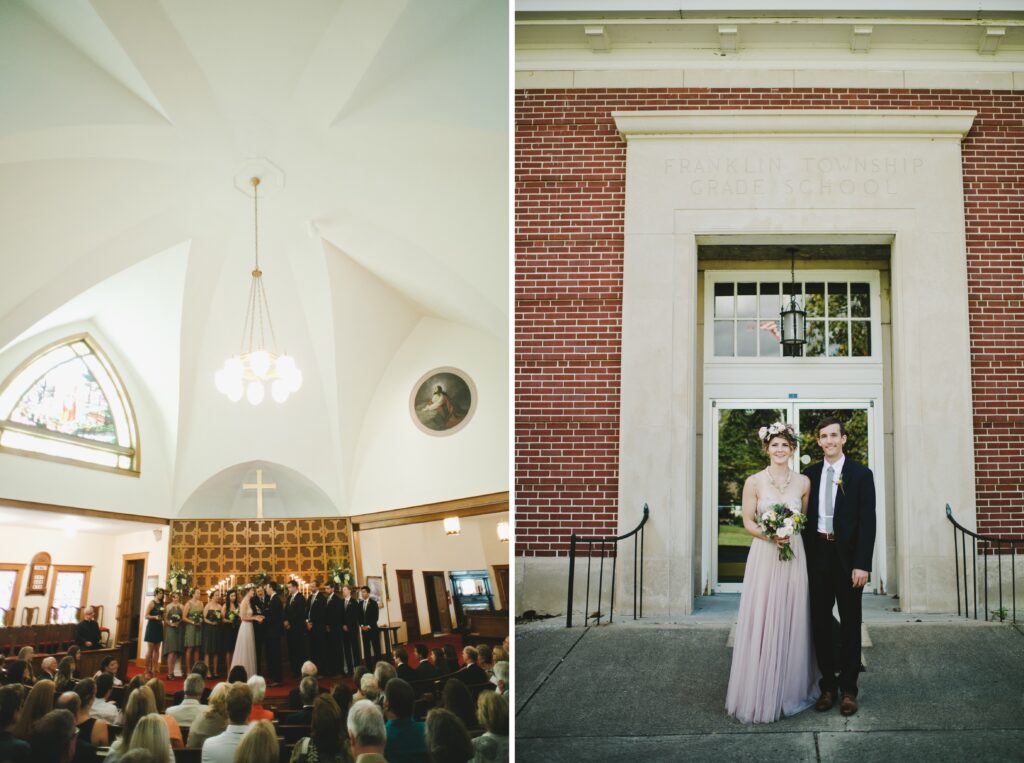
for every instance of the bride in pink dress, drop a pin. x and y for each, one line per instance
(774, 672)
(245, 645)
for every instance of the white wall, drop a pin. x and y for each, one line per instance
(101, 552)
(425, 547)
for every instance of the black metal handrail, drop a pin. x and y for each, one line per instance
(990, 546)
(637, 533)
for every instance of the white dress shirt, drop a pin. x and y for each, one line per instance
(187, 711)
(105, 711)
(311, 600)
(838, 467)
(221, 748)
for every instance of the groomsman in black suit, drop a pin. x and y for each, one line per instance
(273, 631)
(350, 629)
(335, 635)
(316, 624)
(368, 615)
(295, 629)
(259, 607)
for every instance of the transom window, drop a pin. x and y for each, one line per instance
(746, 317)
(68, 403)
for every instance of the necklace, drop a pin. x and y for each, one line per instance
(789, 478)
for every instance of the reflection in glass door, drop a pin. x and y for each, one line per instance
(737, 454)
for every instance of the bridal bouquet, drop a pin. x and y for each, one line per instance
(196, 616)
(174, 617)
(231, 616)
(780, 521)
(213, 615)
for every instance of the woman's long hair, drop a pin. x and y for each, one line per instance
(259, 745)
(37, 704)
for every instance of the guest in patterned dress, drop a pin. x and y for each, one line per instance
(174, 636)
(193, 636)
(212, 617)
(154, 635)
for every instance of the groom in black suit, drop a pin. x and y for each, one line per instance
(839, 538)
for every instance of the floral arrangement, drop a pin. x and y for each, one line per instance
(779, 427)
(231, 616)
(782, 521)
(174, 617)
(213, 615)
(196, 616)
(340, 575)
(261, 578)
(179, 579)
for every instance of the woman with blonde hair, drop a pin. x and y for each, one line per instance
(213, 721)
(37, 704)
(65, 679)
(173, 729)
(492, 713)
(141, 703)
(151, 735)
(258, 745)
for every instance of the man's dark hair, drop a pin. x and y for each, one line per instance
(422, 652)
(10, 701)
(365, 588)
(400, 698)
(105, 662)
(239, 703)
(104, 683)
(86, 690)
(52, 735)
(331, 585)
(827, 422)
(318, 582)
(201, 668)
(273, 586)
(292, 584)
(402, 654)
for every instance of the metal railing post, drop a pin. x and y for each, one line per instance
(572, 578)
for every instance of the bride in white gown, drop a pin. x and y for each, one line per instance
(245, 646)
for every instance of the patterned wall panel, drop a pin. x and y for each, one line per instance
(216, 548)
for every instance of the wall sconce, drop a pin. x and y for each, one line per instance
(451, 526)
(503, 532)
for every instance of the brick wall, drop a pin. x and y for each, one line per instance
(570, 197)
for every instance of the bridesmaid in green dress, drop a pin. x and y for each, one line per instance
(193, 636)
(174, 636)
(212, 617)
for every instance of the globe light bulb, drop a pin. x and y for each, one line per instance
(235, 390)
(279, 390)
(221, 381)
(233, 367)
(254, 392)
(259, 362)
(285, 366)
(295, 381)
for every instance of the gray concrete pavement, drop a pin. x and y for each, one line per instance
(937, 689)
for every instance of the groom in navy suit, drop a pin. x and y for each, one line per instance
(839, 538)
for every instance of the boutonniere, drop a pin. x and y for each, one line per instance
(839, 484)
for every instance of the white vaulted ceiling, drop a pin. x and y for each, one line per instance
(123, 126)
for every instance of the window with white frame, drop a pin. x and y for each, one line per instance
(745, 317)
(9, 577)
(68, 595)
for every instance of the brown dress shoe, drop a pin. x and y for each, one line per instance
(848, 705)
(825, 701)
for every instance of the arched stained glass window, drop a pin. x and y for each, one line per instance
(68, 403)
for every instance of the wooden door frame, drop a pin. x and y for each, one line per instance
(430, 597)
(125, 558)
(59, 568)
(17, 569)
(412, 584)
(500, 584)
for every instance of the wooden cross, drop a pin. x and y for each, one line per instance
(259, 486)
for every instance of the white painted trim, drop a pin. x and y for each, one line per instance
(780, 122)
(767, 6)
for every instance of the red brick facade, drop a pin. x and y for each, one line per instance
(570, 197)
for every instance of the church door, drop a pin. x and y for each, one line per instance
(407, 602)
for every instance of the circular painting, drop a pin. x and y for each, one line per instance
(443, 401)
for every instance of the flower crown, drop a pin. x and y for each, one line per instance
(765, 434)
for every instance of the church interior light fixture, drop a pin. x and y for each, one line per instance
(258, 365)
(503, 531)
(452, 526)
(792, 318)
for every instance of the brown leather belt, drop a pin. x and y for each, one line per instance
(827, 536)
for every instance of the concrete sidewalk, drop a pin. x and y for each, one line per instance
(937, 689)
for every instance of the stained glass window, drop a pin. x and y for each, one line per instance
(68, 595)
(68, 402)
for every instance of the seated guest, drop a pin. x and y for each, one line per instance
(499, 654)
(402, 669)
(258, 687)
(211, 722)
(492, 715)
(500, 677)
(189, 708)
(54, 738)
(383, 672)
(65, 680)
(308, 689)
(103, 708)
(455, 697)
(368, 688)
(85, 752)
(425, 671)
(440, 663)
(173, 729)
(259, 744)
(110, 665)
(20, 672)
(87, 632)
(73, 653)
(451, 658)
(201, 670)
(150, 734)
(26, 653)
(91, 729)
(37, 704)
(294, 701)
(366, 732)
(357, 679)
(484, 659)
(343, 697)
(325, 740)
(141, 703)
(221, 748)
(406, 740)
(48, 669)
(11, 748)
(472, 674)
(238, 675)
(447, 738)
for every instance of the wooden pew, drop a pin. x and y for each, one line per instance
(485, 627)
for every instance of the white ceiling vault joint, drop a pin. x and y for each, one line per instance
(597, 38)
(990, 38)
(728, 38)
(860, 39)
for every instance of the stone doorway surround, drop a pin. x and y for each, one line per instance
(806, 173)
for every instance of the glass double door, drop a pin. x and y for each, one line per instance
(736, 454)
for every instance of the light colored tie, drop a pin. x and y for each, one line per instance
(829, 474)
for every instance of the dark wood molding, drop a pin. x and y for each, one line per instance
(57, 509)
(493, 503)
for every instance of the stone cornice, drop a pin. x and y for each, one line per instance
(802, 122)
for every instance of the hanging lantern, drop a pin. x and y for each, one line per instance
(793, 319)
